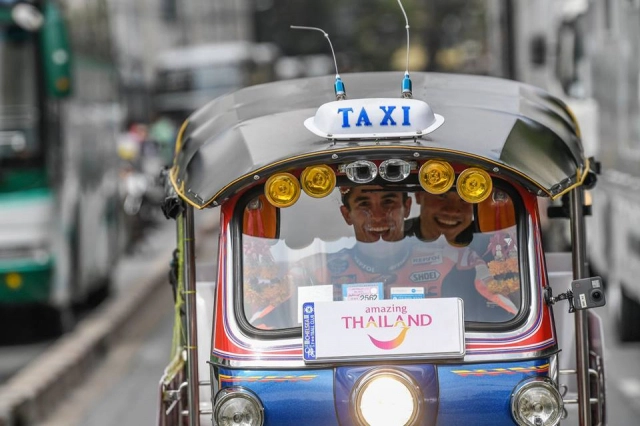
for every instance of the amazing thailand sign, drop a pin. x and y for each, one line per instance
(389, 329)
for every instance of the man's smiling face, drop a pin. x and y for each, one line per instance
(376, 214)
(445, 214)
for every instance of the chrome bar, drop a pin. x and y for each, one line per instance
(171, 407)
(193, 391)
(578, 241)
(595, 376)
(592, 401)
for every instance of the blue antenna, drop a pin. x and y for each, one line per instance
(406, 81)
(338, 86)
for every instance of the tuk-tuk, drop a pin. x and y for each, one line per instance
(380, 257)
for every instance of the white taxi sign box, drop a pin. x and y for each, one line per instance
(383, 329)
(377, 118)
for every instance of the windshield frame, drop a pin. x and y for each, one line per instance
(522, 229)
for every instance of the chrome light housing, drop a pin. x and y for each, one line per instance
(386, 397)
(361, 171)
(237, 406)
(394, 170)
(536, 402)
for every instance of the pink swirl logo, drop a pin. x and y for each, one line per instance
(390, 344)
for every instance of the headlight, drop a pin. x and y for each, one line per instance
(536, 402)
(237, 406)
(386, 397)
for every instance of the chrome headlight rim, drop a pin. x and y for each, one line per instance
(237, 392)
(531, 383)
(399, 375)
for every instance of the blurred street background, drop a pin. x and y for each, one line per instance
(94, 92)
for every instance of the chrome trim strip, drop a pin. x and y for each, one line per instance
(293, 364)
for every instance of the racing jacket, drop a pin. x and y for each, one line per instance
(416, 270)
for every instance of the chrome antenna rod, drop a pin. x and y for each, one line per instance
(406, 81)
(339, 85)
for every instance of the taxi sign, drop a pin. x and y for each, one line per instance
(400, 328)
(377, 118)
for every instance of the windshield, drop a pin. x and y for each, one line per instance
(18, 95)
(369, 243)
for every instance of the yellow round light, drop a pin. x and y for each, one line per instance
(474, 185)
(63, 84)
(436, 176)
(282, 190)
(13, 281)
(318, 181)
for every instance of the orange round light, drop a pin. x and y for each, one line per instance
(13, 280)
(318, 181)
(282, 189)
(474, 185)
(436, 176)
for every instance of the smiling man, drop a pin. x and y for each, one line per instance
(444, 214)
(374, 213)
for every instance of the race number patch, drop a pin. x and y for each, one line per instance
(364, 291)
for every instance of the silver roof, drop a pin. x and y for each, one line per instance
(511, 128)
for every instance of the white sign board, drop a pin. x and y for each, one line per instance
(389, 329)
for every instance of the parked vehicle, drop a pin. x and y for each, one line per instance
(334, 305)
(58, 161)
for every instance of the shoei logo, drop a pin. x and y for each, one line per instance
(374, 119)
(424, 276)
(386, 317)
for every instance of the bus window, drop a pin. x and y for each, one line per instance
(18, 99)
(189, 77)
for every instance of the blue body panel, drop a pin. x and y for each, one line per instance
(480, 394)
(290, 397)
(464, 394)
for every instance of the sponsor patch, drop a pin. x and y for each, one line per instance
(432, 259)
(424, 276)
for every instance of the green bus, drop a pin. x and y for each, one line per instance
(59, 119)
